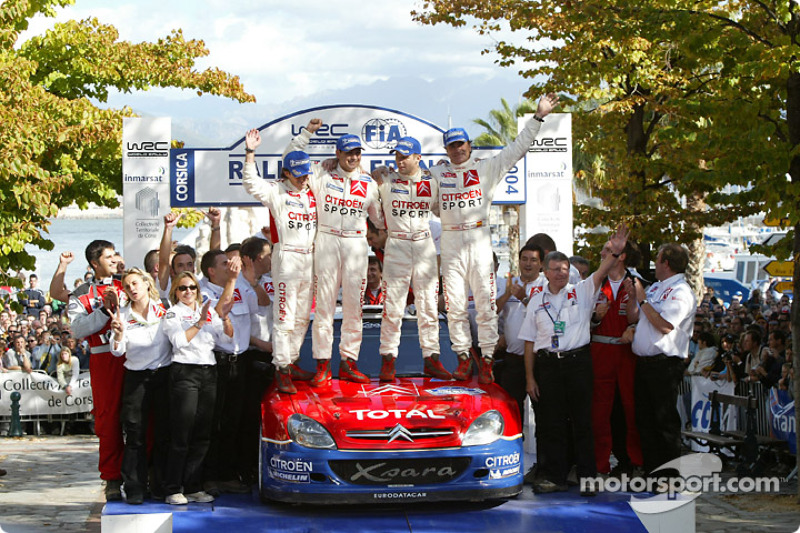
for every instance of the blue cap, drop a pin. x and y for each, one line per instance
(407, 146)
(454, 135)
(298, 163)
(348, 142)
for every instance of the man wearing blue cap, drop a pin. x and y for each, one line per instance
(345, 198)
(293, 227)
(466, 188)
(408, 196)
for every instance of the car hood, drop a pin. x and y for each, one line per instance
(408, 413)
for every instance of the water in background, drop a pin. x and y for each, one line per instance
(74, 235)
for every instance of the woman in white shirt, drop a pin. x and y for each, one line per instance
(67, 370)
(193, 330)
(138, 334)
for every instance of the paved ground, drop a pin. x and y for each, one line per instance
(52, 486)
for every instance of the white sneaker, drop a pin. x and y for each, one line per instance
(176, 499)
(200, 497)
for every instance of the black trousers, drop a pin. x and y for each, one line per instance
(512, 379)
(224, 460)
(565, 403)
(193, 391)
(656, 389)
(258, 378)
(145, 395)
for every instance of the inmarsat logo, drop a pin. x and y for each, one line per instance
(383, 132)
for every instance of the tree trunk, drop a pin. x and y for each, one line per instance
(697, 249)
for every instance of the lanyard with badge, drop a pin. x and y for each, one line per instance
(558, 324)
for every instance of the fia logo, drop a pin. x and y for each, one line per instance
(358, 188)
(424, 188)
(471, 178)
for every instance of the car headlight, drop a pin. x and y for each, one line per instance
(307, 432)
(486, 429)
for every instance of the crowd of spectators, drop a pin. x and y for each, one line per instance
(744, 341)
(34, 330)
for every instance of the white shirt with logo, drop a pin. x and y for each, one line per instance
(573, 305)
(144, 342)
(245, 303)
(200, 351)
(674, 300)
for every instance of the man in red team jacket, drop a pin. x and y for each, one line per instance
(90, 309)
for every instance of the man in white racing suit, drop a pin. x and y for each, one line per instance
(293, 227)
(466, 188)
(408, 197)
(345, 197)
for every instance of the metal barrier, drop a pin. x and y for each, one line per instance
(758, 390)
(39, 419)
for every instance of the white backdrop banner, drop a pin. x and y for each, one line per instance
(41, 395)
(145, 184)
(548, 176)
(206, 177)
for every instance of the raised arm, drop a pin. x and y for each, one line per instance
(617, 244)
(214, 217)
(165, 249)
(58, 289)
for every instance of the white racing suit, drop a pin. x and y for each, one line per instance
(465, 196)
(293, 227)
(410, 258)
(344, 200)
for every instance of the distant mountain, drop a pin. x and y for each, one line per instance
(210, 121)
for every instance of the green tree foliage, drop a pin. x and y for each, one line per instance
(56, 146)
(649, 72)
(501, 127)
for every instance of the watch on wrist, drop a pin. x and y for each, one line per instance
(525, 300)
(249, 150)
(643, 302)
(538, 118)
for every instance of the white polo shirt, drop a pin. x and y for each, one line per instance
(573, 305)
(511, 318)
(245, 303)
(200, 351)
(144, 342)
(674, 301)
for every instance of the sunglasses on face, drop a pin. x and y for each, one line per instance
(183, 288)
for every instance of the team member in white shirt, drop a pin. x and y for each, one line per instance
(138, 334)
(556, 332)
(193, 330)
(665, 321)
(222, 466)
(513, 304)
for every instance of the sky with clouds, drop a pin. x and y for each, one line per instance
(292, 52)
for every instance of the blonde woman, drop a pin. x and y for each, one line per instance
(138, 334)
(67, 370)
(193, 330)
